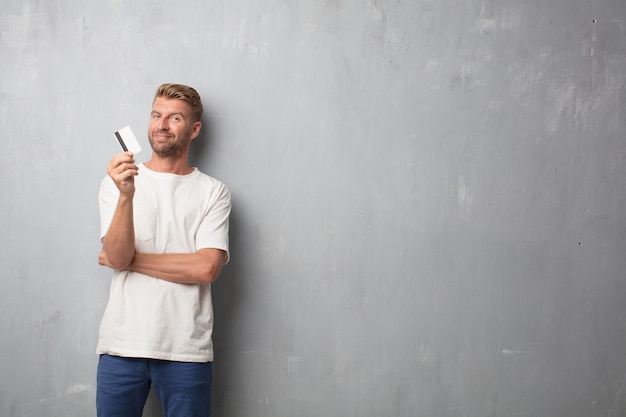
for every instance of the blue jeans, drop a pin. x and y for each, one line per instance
(184, 388)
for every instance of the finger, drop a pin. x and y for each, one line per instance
(120, 158)
(124, 169)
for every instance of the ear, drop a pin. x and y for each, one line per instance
(196, 130)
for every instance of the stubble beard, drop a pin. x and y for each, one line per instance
(170, 150)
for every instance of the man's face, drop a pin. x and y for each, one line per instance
(171, 127)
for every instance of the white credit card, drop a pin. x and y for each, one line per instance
(127, 140)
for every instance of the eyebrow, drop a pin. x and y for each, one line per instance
(168, 115)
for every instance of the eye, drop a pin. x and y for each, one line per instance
(155, 116)
(176, 118)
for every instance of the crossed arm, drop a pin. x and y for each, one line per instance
(203, 266)
(118, 252)
(118, 246)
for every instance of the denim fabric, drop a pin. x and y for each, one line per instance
(184, 388)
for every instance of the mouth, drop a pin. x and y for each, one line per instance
(162, 136)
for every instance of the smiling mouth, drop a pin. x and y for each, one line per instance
(161, 136)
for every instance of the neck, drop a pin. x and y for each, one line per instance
(178, 166)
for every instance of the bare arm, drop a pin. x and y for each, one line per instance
(201, 267)
(118, 246)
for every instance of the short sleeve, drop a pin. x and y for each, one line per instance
(213, 230)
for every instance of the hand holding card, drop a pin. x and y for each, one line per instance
(127, 140)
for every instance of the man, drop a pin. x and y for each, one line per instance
(164, 229)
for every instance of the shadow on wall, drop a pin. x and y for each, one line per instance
(198, 151)
(228, 298)
(153, 406)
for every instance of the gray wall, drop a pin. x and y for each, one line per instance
(429, 199)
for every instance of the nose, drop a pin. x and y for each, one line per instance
(163, 124)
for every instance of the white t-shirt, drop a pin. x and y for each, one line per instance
(147, 317)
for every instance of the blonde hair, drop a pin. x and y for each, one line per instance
(185, 93)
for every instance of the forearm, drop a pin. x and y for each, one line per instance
(119, 242)
(201, 267)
